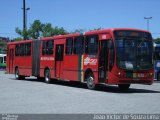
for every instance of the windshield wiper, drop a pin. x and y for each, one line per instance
(141, 42)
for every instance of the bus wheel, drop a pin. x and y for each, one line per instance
(124, 86)
(17, 74)
(90, 81)
(40, 78)
(47, 78)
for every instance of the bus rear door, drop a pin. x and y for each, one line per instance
(104, 58)
(11, 59)
(103, 61)
(59, 57)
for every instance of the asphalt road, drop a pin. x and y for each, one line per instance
(34, 97)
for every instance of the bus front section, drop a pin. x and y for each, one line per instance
(134, 58)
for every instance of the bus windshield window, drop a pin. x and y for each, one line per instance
(4, 59)
(1, 59)
(134, 53)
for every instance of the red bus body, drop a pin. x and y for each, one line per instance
(66, 59)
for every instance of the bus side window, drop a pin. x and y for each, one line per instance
(28, 49)
(43, 47)
(69, 45)
(79, 45)
(47, 47)
(111, 63)
(50, 47)
(22, 49)
(91, 45)
(4, 59)
(17, 52)
(1, 59)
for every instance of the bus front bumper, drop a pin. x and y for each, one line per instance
(136, 81)
(114, 79)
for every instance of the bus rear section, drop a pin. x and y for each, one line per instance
(23, 58)
(19, 59)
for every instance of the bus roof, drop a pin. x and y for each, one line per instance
(113, 29)
(78, 34)
(23, 41)
(67, 35)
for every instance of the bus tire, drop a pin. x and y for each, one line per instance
(17, 76)
(47, 76)
(124, 86)
(91, 81)
(40, 78)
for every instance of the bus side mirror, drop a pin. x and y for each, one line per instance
(110, 44)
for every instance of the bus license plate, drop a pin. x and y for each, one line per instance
(140, 75)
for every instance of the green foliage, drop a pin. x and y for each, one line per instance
(35, 29)
(59, 31)
(96, 29)
(3, 43)
(38, 29)
(47, 30)
(82, 30)
(157, 40)
(22, 33)
(17, 39)
(3, 47)
(78, 31)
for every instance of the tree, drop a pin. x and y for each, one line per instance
(82, 30)
(96, 29)
(24, 34)
(157, 40)
(35, 29)
(38, 29)
(17, 39)
(3, 47)
(59, 31)
(78, 31)
(47, 30)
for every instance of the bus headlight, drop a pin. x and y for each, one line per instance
(120, 74)
(151, 74)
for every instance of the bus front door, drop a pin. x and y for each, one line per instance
(59, 60)
(11, 59)
(103, 61)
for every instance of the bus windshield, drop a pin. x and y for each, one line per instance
(1, 59)
(134, 53)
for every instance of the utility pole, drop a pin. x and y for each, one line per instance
(148, 18)
(24, 17)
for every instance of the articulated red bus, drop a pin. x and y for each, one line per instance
(110, 56)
